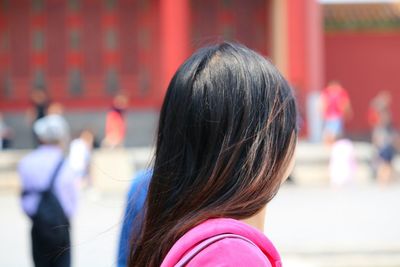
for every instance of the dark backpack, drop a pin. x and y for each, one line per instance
(50, 222)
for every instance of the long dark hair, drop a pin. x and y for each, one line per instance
(227, 130)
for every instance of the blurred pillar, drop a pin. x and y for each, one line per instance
(305, 53)
(297, 39)
(315, 46)
(175, 19)
(279, 30)
(316, 71)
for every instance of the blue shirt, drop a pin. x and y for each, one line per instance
(135, 202)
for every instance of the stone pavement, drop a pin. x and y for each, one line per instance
(311, 226)
(349, 227)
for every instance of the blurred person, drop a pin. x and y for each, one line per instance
(49, 197)
(225, 143)
(57, 109)
(80, 153)
(379, 112)
(384, 135)
(134, 214)
(6, 134)
(115, 129)
(336, 108)
(40, 102)
(315, 122)
(343, 163)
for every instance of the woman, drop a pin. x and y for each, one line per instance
(226, 137)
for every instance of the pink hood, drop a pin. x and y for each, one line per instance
(213, 227)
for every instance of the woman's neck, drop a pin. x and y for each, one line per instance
(257, 220)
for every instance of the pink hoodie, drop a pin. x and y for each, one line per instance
(251, 248)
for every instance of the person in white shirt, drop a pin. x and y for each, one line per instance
(80, 152)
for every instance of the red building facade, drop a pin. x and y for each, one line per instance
(362, 51)
(84, 51)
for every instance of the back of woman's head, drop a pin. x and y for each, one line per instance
(226, 134)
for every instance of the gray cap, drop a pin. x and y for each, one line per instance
(52, 128)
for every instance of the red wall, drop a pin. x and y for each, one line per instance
(364, 63)
(108, 46)
(243, 21)
(116, 42)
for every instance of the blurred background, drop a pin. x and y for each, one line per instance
(89, 60)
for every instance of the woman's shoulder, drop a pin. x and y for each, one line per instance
(230, 251)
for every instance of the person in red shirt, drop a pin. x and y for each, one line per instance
(336, 108)
(115, 129)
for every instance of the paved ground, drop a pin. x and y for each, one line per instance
(313, 227)
(321, 227)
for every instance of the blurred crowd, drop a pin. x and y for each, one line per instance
(42, 106)
(53, 173)
(336, 110)
(334, 105)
